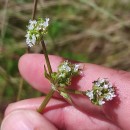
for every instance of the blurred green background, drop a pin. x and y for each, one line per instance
(96, 31)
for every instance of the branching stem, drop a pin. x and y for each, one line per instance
(46, 57)
(45, 101)
(51, 92)
(72, 91)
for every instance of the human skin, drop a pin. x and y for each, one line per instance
(60, 115)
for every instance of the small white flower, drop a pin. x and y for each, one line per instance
(76, 67)
(90, 94)
(30, 27)
(46, 22)
(33, 39)
(65, 67)
(101, 102)
(106, 86)
(101, 80)
(97, 84)
(110, 96)
(30, 40)
(32, 24)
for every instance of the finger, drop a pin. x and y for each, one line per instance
(34, 103)
(31, 67)
(33, 73)
(63, 116)
(26, 120)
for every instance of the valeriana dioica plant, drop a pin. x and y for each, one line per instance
(102, 89)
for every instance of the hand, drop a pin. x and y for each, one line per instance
(114, 115)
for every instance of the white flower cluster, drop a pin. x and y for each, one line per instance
(66, 71)
(102, 91)
(35, 31)
(64, 67)
(67, 67)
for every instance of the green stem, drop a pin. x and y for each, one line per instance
(46, 57)
(20, 89)
(46, 100)
(33, 17)
(34, 9)
(51, 92)
(71, 91)
(28, 48)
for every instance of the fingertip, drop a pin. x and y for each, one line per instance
(28, 61)
(38, 58)
(31, 67)
(26, 120)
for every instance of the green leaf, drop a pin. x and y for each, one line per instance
(46, 73)
(66, 96)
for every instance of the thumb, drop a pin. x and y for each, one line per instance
(26, 120)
